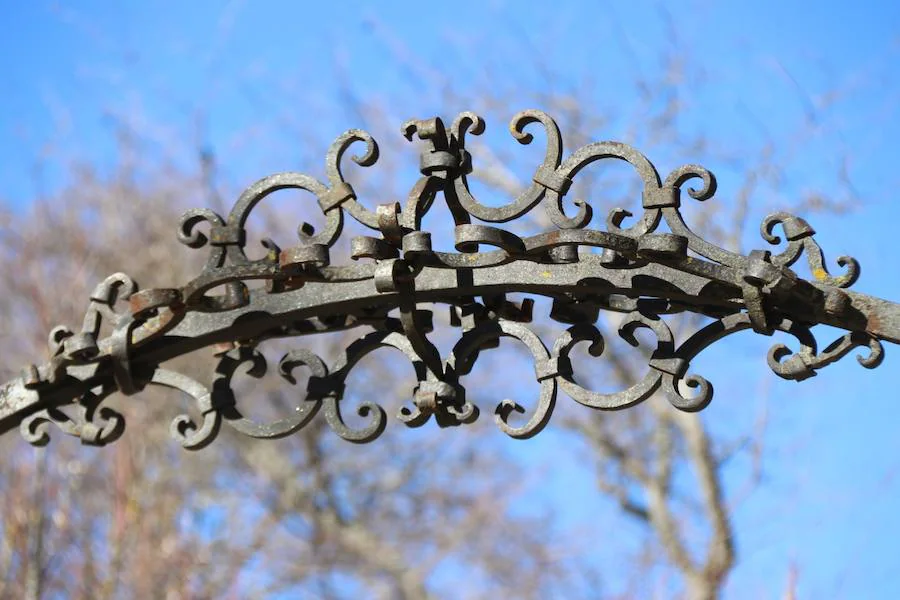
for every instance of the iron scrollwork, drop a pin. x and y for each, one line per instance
(643, 266)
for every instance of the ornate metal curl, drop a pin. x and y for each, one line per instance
(640, 271)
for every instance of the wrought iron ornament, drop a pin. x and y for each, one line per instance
(640, 271)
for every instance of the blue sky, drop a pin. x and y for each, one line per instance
(219, 75)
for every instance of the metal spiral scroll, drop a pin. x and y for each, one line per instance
(640, 271)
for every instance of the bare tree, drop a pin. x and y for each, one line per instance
(309, 513)
(664, 469)
(414, 515)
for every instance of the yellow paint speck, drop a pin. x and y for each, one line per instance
(820, 274)
(546, 274)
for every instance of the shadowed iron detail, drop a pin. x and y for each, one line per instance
(640, 269)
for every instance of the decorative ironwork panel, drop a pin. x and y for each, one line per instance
(645, 266)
